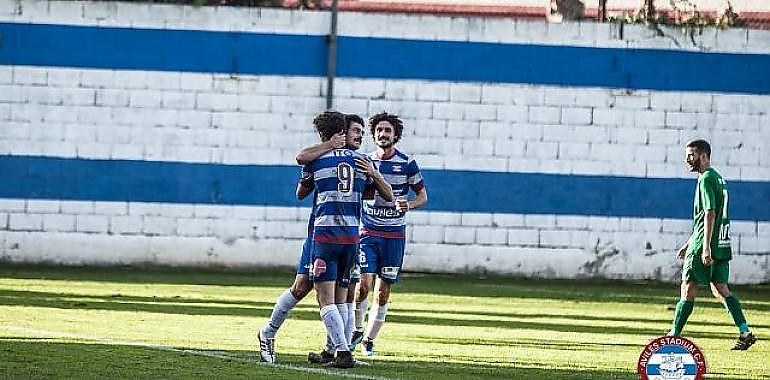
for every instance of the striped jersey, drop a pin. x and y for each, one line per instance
(306, 176)
(339, 188)
(380, 216)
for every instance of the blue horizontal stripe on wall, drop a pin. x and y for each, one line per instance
(26, 177)
(266, 54)
(161, 50)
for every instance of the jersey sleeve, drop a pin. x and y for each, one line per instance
(414, 176)
(708, 192)
(306, 174)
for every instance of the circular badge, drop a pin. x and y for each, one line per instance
(671, 358)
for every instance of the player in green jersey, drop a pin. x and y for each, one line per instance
(707, 252)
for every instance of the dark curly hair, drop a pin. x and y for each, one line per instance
(329, 123)
(397, 124)
(353, 118)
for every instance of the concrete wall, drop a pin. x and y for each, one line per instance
(548, 150)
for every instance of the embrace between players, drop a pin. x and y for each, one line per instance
(356, 232)
(349, 236)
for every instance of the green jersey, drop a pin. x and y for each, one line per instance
(711, 194)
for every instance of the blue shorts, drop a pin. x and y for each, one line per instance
(333, 262)
(304, 261)
(382, 256)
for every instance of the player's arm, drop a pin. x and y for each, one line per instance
(369, 192)
(382, 186)
(306, 185)
(420, 199)
(304, 188)
(708, 230)
(683, 249)
(418, 186)
(308, 154)
(708, 193)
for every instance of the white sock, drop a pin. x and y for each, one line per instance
(350, 323)
(360, 313)
(334, 328)
(343, 309)
(376, 320)
(281, 310)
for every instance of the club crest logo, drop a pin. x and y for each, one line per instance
(671, 358)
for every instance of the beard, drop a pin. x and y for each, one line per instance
(694, 166)
(385, 143)
(353, 145)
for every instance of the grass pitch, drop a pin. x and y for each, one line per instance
(60, 322)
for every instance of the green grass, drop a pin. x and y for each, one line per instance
(59, 322)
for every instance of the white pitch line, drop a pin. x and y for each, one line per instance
(59, 334)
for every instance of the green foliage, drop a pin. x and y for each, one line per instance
(60, 322)
(685, 14)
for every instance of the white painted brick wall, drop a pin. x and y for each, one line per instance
(25, 222)
(59, 223)
(217, 118)
(92, 223)
(428, 234)
(491, 236)
(523, 237)
(36, 206)
(460, 235)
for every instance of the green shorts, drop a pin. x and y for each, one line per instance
(694, 271)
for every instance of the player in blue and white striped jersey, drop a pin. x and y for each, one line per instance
(339, 177)
(383, 234)
(354, 137)
(302, 285)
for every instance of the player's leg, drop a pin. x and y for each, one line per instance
(683, 307)
(693, 273)
(720, 289)
(284, 305)
(340, 300)
(324, 275)
(350, 325)
(390, 261)
(346, 308)
(367, 261)
(361, 306)
(377, 315)
(345, 263)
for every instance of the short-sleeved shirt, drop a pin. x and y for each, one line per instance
(307, 176)
(380, 216)
(711, 194)
(339, 188)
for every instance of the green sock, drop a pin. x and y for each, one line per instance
(734, 309)
(683, 311)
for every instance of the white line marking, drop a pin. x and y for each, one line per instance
(212, 354)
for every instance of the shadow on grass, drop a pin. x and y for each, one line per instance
(79, 360)
(584, 317)
(173, 305)
(25, 358)
(552, 344)
(594, 290)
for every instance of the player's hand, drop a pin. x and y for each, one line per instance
(338, 140)
(365, 166)
(402, 205)
(682, 251)
(706, 256)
